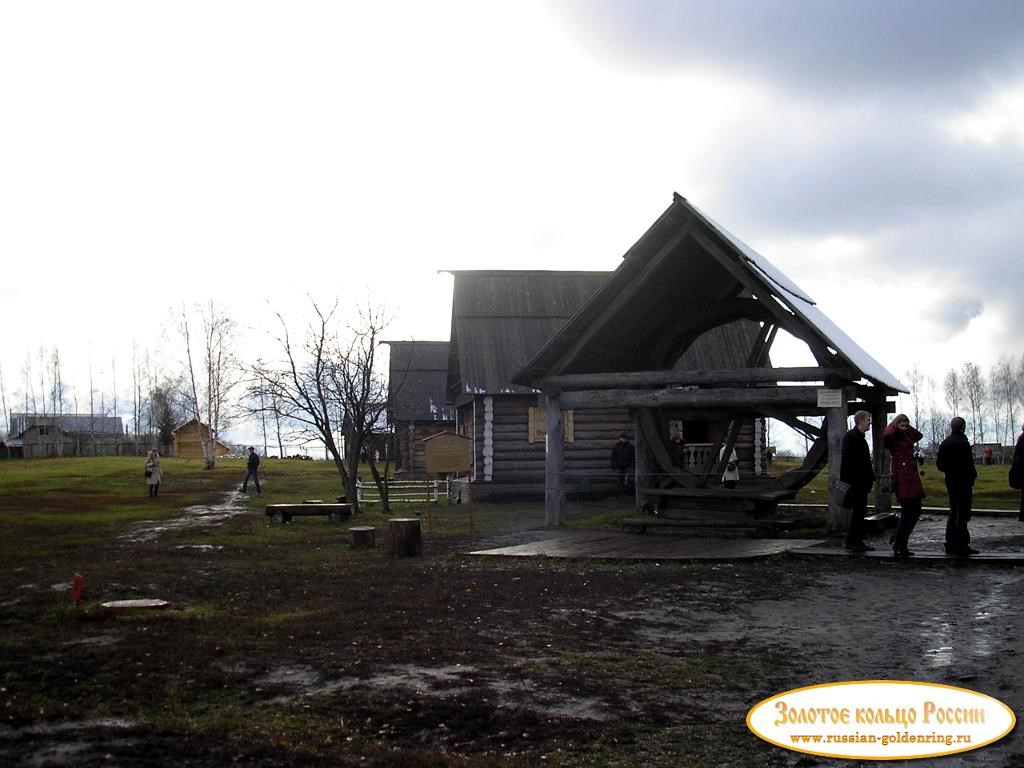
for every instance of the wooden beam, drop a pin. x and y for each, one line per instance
(836, 420)
(720, 397)
(646, 379)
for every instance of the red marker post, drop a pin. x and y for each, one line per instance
(77, 588)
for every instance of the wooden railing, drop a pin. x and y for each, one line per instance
(406, 491)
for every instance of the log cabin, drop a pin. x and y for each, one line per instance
(418, 375)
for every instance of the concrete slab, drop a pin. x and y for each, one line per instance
(611, 545)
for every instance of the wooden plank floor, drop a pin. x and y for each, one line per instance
(612, 545)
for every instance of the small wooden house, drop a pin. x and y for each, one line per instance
(418, 372)
(187, 442)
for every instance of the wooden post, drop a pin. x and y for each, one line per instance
(883, 495)
(641, 468)
(836, 419)
(405, 539)
(554, 461)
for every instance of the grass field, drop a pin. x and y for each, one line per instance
(283, 646)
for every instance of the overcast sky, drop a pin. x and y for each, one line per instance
(154, 154)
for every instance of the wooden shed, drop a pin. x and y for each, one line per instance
(418, 373)
(187, 443)
(688, 283)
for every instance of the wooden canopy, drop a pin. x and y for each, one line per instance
(642, 341)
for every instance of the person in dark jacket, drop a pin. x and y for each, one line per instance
(899, 439)
(956, 459)
(1018, 456)
(252, 466)
(623, 458)
(855, 468)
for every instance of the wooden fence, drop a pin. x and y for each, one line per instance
(405, 491)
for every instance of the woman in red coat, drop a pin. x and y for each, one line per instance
(899, 440)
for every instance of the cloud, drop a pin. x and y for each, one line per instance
(827, 48)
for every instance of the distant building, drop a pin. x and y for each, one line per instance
(416, 399)
(187, 442)
(71, 434)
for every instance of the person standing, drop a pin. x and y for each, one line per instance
(153, 474)
(252, 466)
(1018, 465)
(855, 468)
(899, 439)
(956, 460)
(623, 458)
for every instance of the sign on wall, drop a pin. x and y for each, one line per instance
(539, 426)
(448, 452)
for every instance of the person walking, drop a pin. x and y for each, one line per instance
(623, 458)
(855, 468)
(153, 474)
(899, 439)
(956, 460)
(252, 468)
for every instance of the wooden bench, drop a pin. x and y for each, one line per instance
(747, 500)
(756, 526)
(283, 513)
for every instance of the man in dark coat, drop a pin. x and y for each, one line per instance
(623, 457)
(252, 466)
(855, 468)
(956, 459)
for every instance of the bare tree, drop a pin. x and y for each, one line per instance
(213, 372)
(916, 380)
(953, 391)
(3, 401)
(974, 392)
(1003, 387)
(329, 389)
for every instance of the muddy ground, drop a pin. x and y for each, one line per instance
(283, 647)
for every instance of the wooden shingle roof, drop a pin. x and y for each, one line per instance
(500, 318)
(690, 295)
(417, 380)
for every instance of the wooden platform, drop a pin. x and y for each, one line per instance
(921, 555)
(611, 545)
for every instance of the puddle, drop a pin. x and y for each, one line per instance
(62, 727)
(198, 516)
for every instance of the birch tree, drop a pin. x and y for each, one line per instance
(213, 372)
(975, 392)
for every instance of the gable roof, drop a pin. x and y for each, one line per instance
(418, 374)
(500, 318)
(686, 281)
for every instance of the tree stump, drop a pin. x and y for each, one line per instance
(363, 536)
(405, 537)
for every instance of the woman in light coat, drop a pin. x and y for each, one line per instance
(153, 472)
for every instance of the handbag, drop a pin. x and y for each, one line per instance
(843, 489)
(149, 473)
